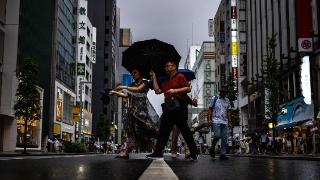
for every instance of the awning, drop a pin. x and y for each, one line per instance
(293, 113)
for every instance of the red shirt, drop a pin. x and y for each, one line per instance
(175, 82)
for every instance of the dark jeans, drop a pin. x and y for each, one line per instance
(168, 120)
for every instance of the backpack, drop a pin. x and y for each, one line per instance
(214, 101)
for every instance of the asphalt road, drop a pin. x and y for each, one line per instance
(107, 167)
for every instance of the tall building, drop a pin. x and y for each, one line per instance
(315, 57)
(204, 86)
(104, 15)
(122, 77)
(219, 36)
(291, 21)
(85, 61)
(47, 34)
(231, 51)
(9, 28)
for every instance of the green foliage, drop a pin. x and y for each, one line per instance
(28, 96)
(235, 116)
(74, 147)
(27, 106)
(104, 128)
(271, 79)
(232, 93)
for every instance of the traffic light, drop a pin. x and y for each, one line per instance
(105, 96)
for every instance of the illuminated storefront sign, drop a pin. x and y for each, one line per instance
(234, 61)
(305, 79)
(59, 105)
(234, 48)
(233, 3)
(235, 73)
(233, 24)
(233, 33)
(233, 12)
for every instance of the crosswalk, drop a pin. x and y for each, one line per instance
(157, 170)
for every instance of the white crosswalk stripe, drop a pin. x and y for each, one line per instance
(157, 170)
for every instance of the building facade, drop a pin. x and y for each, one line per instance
(122, 77)
(9, 28)
(230, 35)
(104, 15)
(51, 41)
(203, 87)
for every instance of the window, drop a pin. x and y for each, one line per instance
(88, 32)
(106, 31)
(105, 80)
(106, 68)
(106, 43)
(87, 61)
(106, 55)
(242, 4)
(242, 25)
(107, 18)
(87, 90)
(88, 47)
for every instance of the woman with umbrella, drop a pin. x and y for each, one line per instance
(142, 122)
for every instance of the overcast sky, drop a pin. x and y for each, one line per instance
(170, 21)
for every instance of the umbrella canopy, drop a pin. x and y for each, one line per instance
(186, 72)
(147, 55)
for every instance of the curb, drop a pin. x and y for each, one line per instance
(307, 158)
(42, 154)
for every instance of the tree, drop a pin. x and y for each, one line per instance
(104, 128)
(232, 96)
(28, 96)
(271, 82)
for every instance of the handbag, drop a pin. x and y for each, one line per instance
(171, 105)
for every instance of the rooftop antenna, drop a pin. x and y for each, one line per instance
(192, 34)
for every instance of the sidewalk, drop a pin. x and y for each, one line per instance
(40, 153)
(315, 157)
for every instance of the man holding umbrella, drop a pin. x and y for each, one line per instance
(175, 110)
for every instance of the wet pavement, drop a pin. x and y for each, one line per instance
(107, 167)
(246, 168)
(73, 167)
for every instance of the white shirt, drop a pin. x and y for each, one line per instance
(220, 110)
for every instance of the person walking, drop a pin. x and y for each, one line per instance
(175, 132)
(175, 110)
(141, 124)
(219, 117)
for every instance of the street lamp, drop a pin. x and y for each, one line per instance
(81, 83)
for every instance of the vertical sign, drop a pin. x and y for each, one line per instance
(82, 42)
(304, 25)
(94, 46)
(305, 79)
(234, 40)
(233, 3)
(233, 12)
(210, 27)
(82, 30)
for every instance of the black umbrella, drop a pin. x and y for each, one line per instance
(147, 55)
